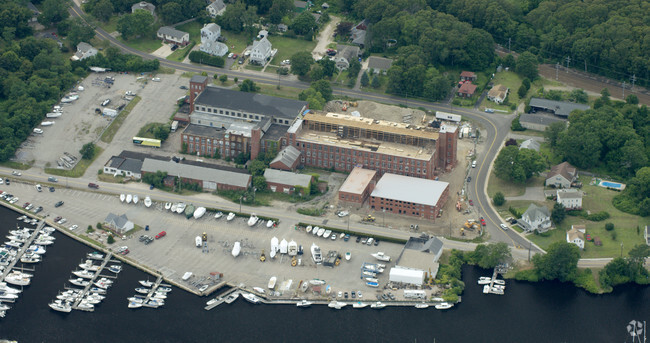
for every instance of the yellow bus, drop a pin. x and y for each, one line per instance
(146, 142)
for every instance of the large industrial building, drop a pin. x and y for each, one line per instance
(411, 196)
(357, 187)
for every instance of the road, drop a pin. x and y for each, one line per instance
(494, 127)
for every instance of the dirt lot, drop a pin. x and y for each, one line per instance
(375, 110)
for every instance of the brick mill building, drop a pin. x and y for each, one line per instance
(411, 196)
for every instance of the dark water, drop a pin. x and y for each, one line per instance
(548, 312)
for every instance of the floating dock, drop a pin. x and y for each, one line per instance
(91, 283)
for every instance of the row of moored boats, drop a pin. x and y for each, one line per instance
(492, 286)
(149, 295)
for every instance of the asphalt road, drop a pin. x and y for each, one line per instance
(494, 128)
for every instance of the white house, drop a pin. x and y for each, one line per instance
(536, 218)
(261, 52)
(144, 6)
(576, 236)
(561, 175)
(210, 34)
(498, 94)
(569, 198)
(84, 50)
(124, 166)
(121, 224)
(216, 8)
(171, 35)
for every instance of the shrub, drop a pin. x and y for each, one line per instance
(609, 226)
(499, 199)
(205, 58)
(598, 216)
(110, 239)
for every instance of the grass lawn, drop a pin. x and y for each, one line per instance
(146, 44)
(283, 92)
(110, 132)
(194, 29)
(508, 188)
(253, 67)
(78, 170)
(111, 25)
(545, 151)
(289, 46)
(15, 165)
(236, 42)
(110, 178)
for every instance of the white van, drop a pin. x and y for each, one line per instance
(106, 102)
(473, 164)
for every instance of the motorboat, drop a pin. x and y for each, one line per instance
(159, 295)
(359, 304)
(484, 280)
(79, 282)
(95, 255)
(218, 215)
(133, 304)
(342, 235)
(304, 286)
(422, 305)
(444, 306)
(143, 290)
(293, 248)
(102, 284)
(168, 206)
(437, 299)
(499, 282)
(122, 197)
(272, 253)
(114, 268)
(83, 273)
(275, 246)
(230, 217)
(381, 256)
(198, 241)
(136, 298)
(348, 256)
(236, 249)
(337, 305)
(4, 307)
(189, 211)
(146, 283)
(154, 303)
(135, 199)
(36, 249)
(327, 233)
(308, 229)
(43, 241)
(47, 123)
(315, 230)
(13, 244)
(269, 223)
(60, 306)
(180, 207)
(372, 279)
(231, 297)
(328, 289)
(316, 254)
(317, 282)
(5, 288)
(498, 291)
(252, 298)
(199, 212)
(8, 296)
(272, 282)
(163, 289)
(320, 232)
(147, 201)
(372, 284)
(284, 246)
(378, 305)
(304, 303)
(30, 258)
(259, 289)
(187, 276)
(252, 220)
(88, 265)
(129, 198)
(174, 208)
(18, 279)
(53, 114)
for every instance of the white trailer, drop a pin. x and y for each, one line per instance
(109, 112)
(448, 116)
(174, 125)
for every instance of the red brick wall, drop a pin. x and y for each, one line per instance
(256, 136)
(196, 89)
(409, 209)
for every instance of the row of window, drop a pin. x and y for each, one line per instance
(238, 114)
(351, 152)
(209, 151)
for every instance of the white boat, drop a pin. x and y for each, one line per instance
(381, 256)
(135, 198)
(236, 249)
(218, 215)
(5, 288)
(143, 290)
(47, 123)
(327, 233)
(133, 304)
(272, 253)
(199, 212)
(146, 283)
(53, 114)
(269, 223)
(164, 289)
(88, 265)
(159, 295)
(187, 276)
(342, 235)
(79, 282)
(293, 248)
(316, 254)
(4, 307)
(484, 280)
(303, 303)
(444, 306)
(60, 306)
(314, 231)
(8, 296)
(43, 241)
(36, 249)
(378, 305)
(33, 258)
(498, 291)
(328, 289)
(337, 305)
(359, 304)
(129, 197)
(198, 241)
(317, 282)
(95, 255)
(98, 290)
(147, 201)
(437, 299)
(272, 282)
(17, 278)
(275, 245)
(308, 229)
(230, 217)
(284, 246)
(259, 289)
(372, 279)
(348, 256)
(154, 303)
(231, 297)
(252, 220)
(115, 268)
(499, 282)
(168, 205)
(180, 207)
(422, 305)
(304, 286)
(174, 207)
(84, 274)
(37, 130)
(320, 232)
(252, 298)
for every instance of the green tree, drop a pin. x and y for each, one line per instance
(558, 213)
(559, 263)
(364, 79)
(579, 96)
(79, 32)
(136, 24)
(324, 88)
(375, 82)
(279, 9)
(632, 99)
(490, 255)
(171, 12)
(499, 199)
(103, 10)
(313, 97)
(237, 16)
(516, 125)
(88, 151)
(223, 78)
(509, 61)
(304, 23)
(301, 63)
(329, 67)
(522, 91)
(609, 226)
(259, 182)
(517, 165)
(53, 11)
(353, 69)
(248, 86)
(110, 239)
(553, 131)
(257, 167)
(527, 65)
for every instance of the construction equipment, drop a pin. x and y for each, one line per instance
(462, 231)
(204, 237)
(263, 256)
(294, 262)
(368, 218)
(458, 206)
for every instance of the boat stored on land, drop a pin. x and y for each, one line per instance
(218, 215)
(180, 207)
(147, 201)
(230, 217)
(272, 282)
(168, 205)
(135, 199)
(252, 220)
(316, 254)
(381, 256)
(199, 212)
(348, 256)
(189, 211)
(269, 223)
(372, 284)
(129, 198)
(122, 197)
(236, 249)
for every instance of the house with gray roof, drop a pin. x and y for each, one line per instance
(569, 198)
(431, 245)
(120, 224)
(170, 35)
(210, 179)
(379, 64)
(84, 50)
(536, 218)
(144, 6)
(210, 44)
(559, 108)
(358, 33)
(530, 144)
(537, 121)
(344, 55)
(124, 166)
(287, 159)
(216, 8)
(261, 52)
(286, 182)
(561, 176)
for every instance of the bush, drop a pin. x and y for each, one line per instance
(516, 125)
(609, 226)
(90, 229)
(514, 212)
(99, 226)
(499, 199)
(598, 216)
(110, 239)
(527, 275)
(205, 58)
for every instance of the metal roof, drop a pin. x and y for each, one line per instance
(250, 102)
(409, 189)
(560, 108)
(198, 78)
(358, 180)
(197, 173)
(287, 156)
(287, 178)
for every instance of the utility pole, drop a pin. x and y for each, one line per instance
(557, 68)
(633, 78)
(623, 90)
(585, 66)
(568, 60)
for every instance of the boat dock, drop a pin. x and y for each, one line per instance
(22, 250)
(492, 289)
(91, 282)
(153, 289)
(221, 298)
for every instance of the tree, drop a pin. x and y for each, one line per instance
(522, 91)
(510, 142)
(248, 86)
(353, 69)
(313, 97)
(609, 226)
(490, 255)
(135, 24)
(343, 28)
(375, 82)
(110, 239)
(364, 79)
(301, 63)
(499, 199)
(329, 67)
(579, 96)
(223, 78)
(103, 10)
(304, 23)
(324, 88)
(257, 167)
(517, 165)
(553, 131)
(88, 151)
(237, 16)
(632, 99)
(79, 32)
(516, 125)
(171, 12)
(559, 263)
(558, 213)
(53, 11)
(527, 65)
(509, 61)
(279, 9)
(259, 182)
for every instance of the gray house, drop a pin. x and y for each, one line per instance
(170, 35)
(216, 8)
(84, 50)
(379, 64)
(561, 175)
(121, 224)
(346, 54)
(261, 51)
(144, 6)
(536, 218)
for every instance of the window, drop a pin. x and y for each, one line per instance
(202, 108)
(220, 111)
(209, 110)
(227, 113)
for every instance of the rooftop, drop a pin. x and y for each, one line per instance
(358, 180)
(197, 172)
(287, 178)
(380, 63)
(250, 102)
(287, 156)
(198, 78)
(570, 193)
(409, 189)
(172, 32)
(205, 131)
(560, 108)
(418, 260)
(538, 119)
(275, 132)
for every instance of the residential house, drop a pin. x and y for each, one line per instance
(498, 94)
(287, 159)
(35, 12)
(120, 224)
(262, 34)
(576, 236)
(561, 175)
(530, 144)
(144, 6)
(261, 52)
(379, 64)
(467, 76)
(325, 5)
(286, 182)
(536, 218)
(570, 198)
(171, 35)
(210, 44)
(216, 8)
(559, 108)
(300, 5)
(345, 54)
(84, 50)
(358, 33)
(124, 166)
(466, 90)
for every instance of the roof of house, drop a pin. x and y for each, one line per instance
(410, 189)
(262, 45)
(275, 132)
(287, 156)
(211, 27)
(565, 169)
(128, 164)
(574, 233)
(358, 180)
(530, 144)
(425, 244)
(172, 32)
(467, 88)
(348, 52)
(536, 213)
(538, 119)
(300, 4)
(379, 63)
(498, 91)
(197, 172)
(217, 5)
(250, 102)
(118, 221)
(287, 178)
(467, 74)
(359, 37)
(560, 108)
(570, 193)
(143, 5)
(84, 47)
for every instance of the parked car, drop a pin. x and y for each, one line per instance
(106, 102)
(230, 55)
(183, 87)
(57, 218)
(483, 221)
(93, 185)
(473, 164)
(504, 227)
(58, 204)
(39, 188)
(52, 179)
(74, 227)
(174, 47)
(161, 234)
(51, 189)
(471, 203)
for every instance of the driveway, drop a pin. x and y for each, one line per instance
(532, 194)
(164, 51)
(325, 37)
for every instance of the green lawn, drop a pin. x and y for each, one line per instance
(236, 42)
(180, 53)
(253, 67)
(289, 46)
(508, 188)
(194, 29)
(148, 44)
(111, 25)
(283, 92)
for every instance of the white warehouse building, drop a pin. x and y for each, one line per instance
(407, 275)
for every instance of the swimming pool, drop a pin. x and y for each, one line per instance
(610, 184)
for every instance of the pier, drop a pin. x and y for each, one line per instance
(153, 289)
(91, 283)
(22, 250)
(221, 298)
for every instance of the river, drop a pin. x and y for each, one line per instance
(543, 312)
